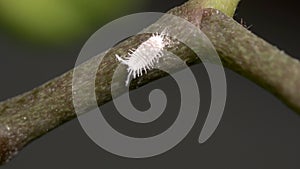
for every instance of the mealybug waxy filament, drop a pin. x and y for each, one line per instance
(144, 57)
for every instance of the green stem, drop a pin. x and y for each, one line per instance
(228, 7)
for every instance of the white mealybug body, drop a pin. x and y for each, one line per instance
(144, 57)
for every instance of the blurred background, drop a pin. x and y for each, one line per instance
(41, 39)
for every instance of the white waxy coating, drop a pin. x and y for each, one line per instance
(144, 57)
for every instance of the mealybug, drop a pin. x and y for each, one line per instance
(144, 57)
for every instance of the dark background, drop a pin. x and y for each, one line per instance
(257, 130)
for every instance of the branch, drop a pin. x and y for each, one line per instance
(30, 115)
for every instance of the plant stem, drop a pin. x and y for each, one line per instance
(254, 58)
(228, 7)
(30, 115)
